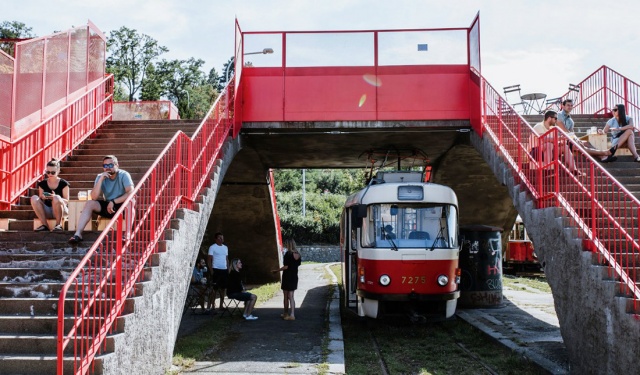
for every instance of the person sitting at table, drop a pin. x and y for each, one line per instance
(52, 199)
(622, 130)
(565, 122)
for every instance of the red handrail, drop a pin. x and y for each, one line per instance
(596, 203)
(23, 159)
(603, 89)
(96, 291)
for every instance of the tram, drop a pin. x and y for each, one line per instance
(399, 248)
(520, 255)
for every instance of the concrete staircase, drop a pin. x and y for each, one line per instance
(34, 266)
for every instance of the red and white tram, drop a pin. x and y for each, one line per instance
(399, 247)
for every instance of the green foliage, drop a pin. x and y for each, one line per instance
(151, 87)
(130, 55)
(228, 70)
(13, 30)
(326, 192)
(185, 84)
(214, 79)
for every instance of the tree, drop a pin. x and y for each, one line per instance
(214, 79)
(130, 55)
(13, 30)
(228, 70)
(151, 88)
(185, 85)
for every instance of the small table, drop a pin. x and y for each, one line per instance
(533, 101)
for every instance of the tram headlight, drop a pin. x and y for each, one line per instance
(385, 280)
(443, 280)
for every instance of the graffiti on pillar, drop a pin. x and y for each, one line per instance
(485, 298)
(475, 247)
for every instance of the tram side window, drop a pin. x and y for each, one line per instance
(368, 231)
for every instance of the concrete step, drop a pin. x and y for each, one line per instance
(34, 343)
(48, 306)
(43, 325)
(48, 289)
(37, 364)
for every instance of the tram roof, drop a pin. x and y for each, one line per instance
(388, 193)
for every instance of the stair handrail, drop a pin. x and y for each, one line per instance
(24, 159)
(174, 180)
(553, 185)
(603, 89)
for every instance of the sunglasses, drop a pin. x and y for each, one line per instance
(614, 110)
(110, 165)
(555, 118)
(50, 172)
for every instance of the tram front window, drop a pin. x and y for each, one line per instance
(398, 226)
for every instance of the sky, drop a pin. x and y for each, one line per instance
(542, 45)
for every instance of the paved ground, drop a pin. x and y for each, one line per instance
(526, 322)
(271, 345)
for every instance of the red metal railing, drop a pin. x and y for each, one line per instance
(603, 89)
(22, 160)
(603, 210)
(274, 207)
(95, 293)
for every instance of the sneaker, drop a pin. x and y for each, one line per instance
(250, 317)
(57, 228)
(289, 317)
(41, 228)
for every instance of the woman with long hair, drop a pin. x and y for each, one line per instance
(622, 131)
(236, 290)
(52, 199)
(291, 261)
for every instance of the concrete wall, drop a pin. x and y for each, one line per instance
(601, 338)
(319, 253)
(146, 346)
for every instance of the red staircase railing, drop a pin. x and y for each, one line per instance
(22, 161)
(602, 90)
(95, 293)
(603, 210)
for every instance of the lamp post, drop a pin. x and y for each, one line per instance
(227, 71)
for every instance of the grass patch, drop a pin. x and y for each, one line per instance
(451, 347)
(523, 283)
(202, 344)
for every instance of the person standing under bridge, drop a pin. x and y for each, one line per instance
(114, 185)
(291, 261)
(565, 122)
(218, 262)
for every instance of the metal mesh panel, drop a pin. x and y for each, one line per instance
(29, 58)
(6, 90)
(97, 48)
(57, 63)
(78, 64)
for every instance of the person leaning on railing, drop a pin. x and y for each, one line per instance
(565, 122)
(115, 185)
(622, 129)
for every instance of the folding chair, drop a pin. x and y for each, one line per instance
(194, 295)
(231, 306)
(516, 89)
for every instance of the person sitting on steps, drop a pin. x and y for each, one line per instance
(115, 185)
(622, 129)
(52, 199)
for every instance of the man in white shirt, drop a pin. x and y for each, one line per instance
(218, 261)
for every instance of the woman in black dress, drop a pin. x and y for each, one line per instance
(291, 261)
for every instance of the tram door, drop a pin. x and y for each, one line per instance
(350, 261)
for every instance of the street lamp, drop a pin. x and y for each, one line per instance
(227, 71)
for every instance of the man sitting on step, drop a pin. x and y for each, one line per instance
(115, 185)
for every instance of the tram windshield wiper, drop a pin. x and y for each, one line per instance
(393, 244)
(439, 237)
